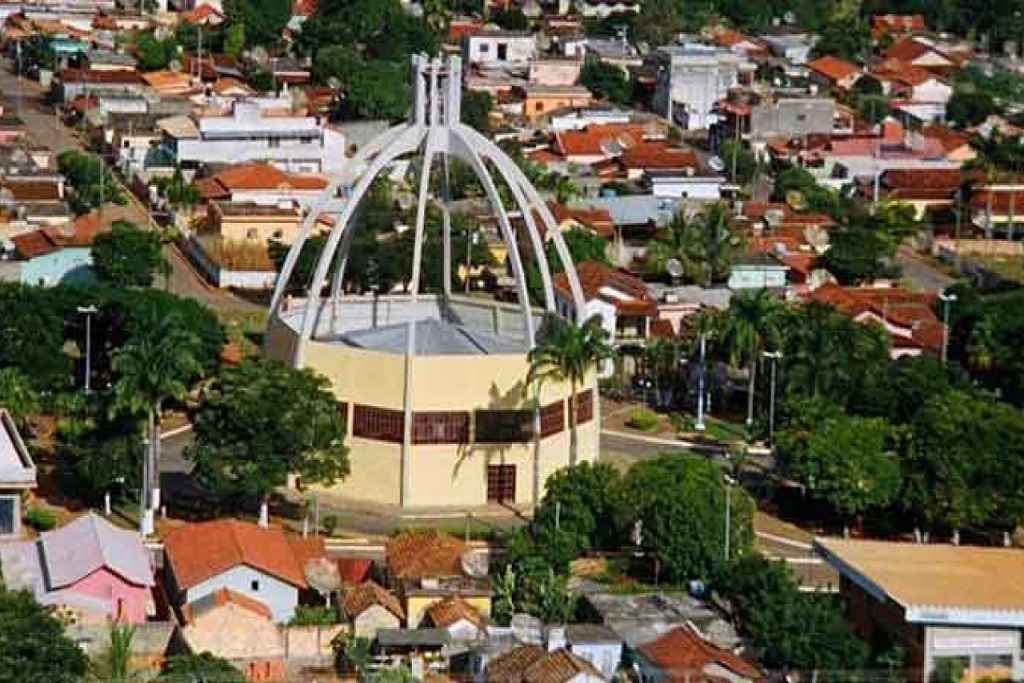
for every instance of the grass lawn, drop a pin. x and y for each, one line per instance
(715, 428)
(1009, 267)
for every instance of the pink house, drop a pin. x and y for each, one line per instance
(89, 568)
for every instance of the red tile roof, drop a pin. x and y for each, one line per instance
(898, 23)
(263, 176)
(80, 233)
(204, 14)
(910, 49)
(197, 552)
(662, 328)
(534, 664)
(951, 140)
(413, 555)
(450, 611)
(354, 569)
(919, 183)
(304, 8)
(833, 68)
(902, 71)
(596, 279)
(1000, 201)
(224, 596)
(911, 311)
(658, 156)
(361, 597)
(682, 653)
(29, 190)
(598, 140)
(99, 77)
(729, 38)
(597, 220)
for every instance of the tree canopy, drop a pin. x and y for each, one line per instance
(127, 256)
(156, 53)
(606, 81)
(201, 668)
(260, 421)
(33, 645)
(92, 180)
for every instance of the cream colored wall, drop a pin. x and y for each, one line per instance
(237, 228)
(372, 620)
(416, 606)
(443, 475)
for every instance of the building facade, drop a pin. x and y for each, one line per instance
(691, 79)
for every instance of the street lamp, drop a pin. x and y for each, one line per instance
(729, 483)
(774, 357)
(699, 424)
(88, 312)
(947, 300)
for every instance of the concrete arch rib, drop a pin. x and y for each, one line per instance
(407, 142)
(322, 206)
(465, 149)
(421, 211)
(494, 153)
(502, 162)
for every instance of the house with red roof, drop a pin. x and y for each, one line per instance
(261, 183)
(833, 72)
(204, 15)
(904, 80)
(897, 24)
(52, 255)
(684, 654)
(996, 208)
(922, 52)
(743, 45)
(955, 144)
(927, 190)
(908, 317)
(262, 564)
(596, 143)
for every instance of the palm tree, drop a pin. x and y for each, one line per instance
(702, 327)
(568, 353)
(160, 362)
(751, 326)
(114, 664)
(705, 247)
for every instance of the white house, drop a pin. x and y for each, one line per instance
(684, 185)
(595, 643)
(499, 48)
(692, 79)
(300, 144)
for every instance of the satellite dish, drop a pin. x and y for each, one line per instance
(716, 164)
(773, 217)
(260, 55)
(174, 65)
(334, 83)
(474, 564)
(322, 576)
(526, 628)
(674, 268)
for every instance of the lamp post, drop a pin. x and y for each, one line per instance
(947, 300)
(88, 312)
(699, 424)
(774, 357)
(729, 482)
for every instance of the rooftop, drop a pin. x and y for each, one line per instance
(16, 466)
(361, 597)
(425, 554)
(625, 292)
(936, 583)
(682, 652)
(535, 664)
(432, 337)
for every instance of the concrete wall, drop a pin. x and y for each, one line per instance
(373, 619)
(221, 277)
(788, 118)
(484, 49)
(277, 595)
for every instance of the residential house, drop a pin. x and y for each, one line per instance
(791, 238)
(994, 207)
(941, 603)
(541, 100)
(955, 144)
(72, 83)
(298, 144)
(595, 643)
(635, 220)
(640, 618)
(88, 569)
(456, 616)
(786, 117)
(921, 52)
(167, 83)
(595, 143)
(235, 627)
(536, 664)
(108, 60)
(593, 115)
(691, 79)
(600, 9)
(618, 299)
(833, 72)
(368, 608)
(742, 45)
(897, 24)
(684, 654)
(49, 256)
(261, 563)
(499, 48)
(927, 190)
(205, 15)
(428, 567)
(254, 223)
(17, 476)
(261, 183)
(916, 84)
(908, 317)
(558, 72)
(596, 221)
(613, 52)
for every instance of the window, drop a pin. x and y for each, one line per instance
(539, 106)
(8, 515)
(273, 142)
(501, 483)
(504, 426)
(502, 52)
(485, 48)
(440, 427)
(254, 585)
(252, 234)
(552, 418)
(585, 406)
(381, 424)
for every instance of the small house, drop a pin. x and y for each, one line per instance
(368, 608)
(684, 654)
(17, 475)
(458, 617)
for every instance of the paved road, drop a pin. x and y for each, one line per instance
(922, 275)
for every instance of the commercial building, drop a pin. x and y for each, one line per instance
(941, 603)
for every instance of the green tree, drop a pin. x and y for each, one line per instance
(260, 421)
(93, 181)
(858, 255)
(263, 20)
(847, 461)
(567, 352)
(159, 363)
(741, 158)
(706, 247)
(969, 107)
(181, 193)
(750, 328)
(127, 256)
(18, 395)
(606, 81)
(681, 503)
(201, 668)
(32, 333)
(378, 90)
(234, 40)
(873, 108)
(847, 40)
(476, 109)
(114, 664)
(510, 19)
(868, 85)
(33, 645)
(156, 53)
(580, 512)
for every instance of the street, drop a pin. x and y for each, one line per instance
(920, 274)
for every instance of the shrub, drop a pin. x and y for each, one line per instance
(330, 523)
(643, 419)
(317, 615)
(40, 518)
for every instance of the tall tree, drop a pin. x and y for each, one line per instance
(18, 395)
(260, 421)
(33, 645)
(127, 256)
(159, 363)
(750, 328)
(114, 664)
(705, 246)
(568, 352)
(606, 81)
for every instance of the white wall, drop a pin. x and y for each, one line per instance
(483, 49)
(279, 596)
(706, 188)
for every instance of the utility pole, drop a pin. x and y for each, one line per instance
(729, 481)
(88, 312)
(946, 300)
(699, 424)
(774, 357)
